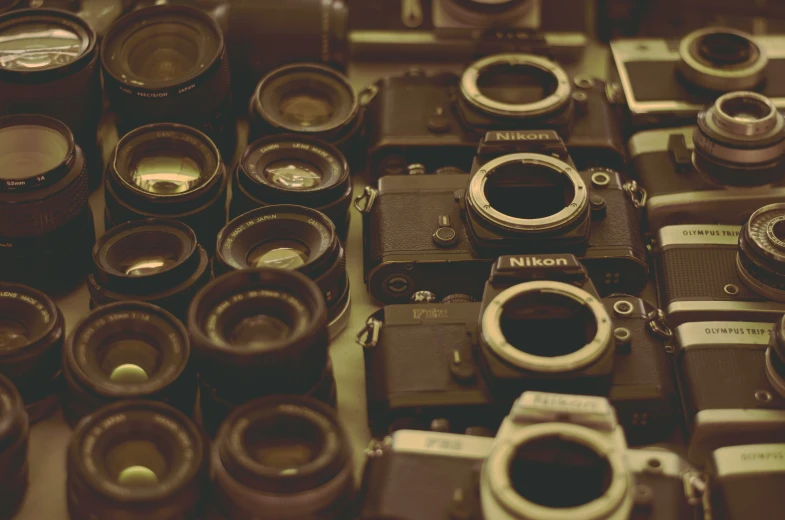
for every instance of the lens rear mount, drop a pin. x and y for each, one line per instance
(554, 101)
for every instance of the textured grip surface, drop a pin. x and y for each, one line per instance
(45, 215)
(700, 274)
(724, 377)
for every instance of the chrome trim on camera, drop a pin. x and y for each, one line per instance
(498, 493)
(742, 126)
(439, 444)
(653, 141)
(473, 95)
(749, 459)
(694, 234)
(476, 194)
(717, 427)
(642, 49)
(699, 310)
(715, 79)
(714, 333)
(490, 325)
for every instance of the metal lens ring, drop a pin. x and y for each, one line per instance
(746, 114)
(572, 210)
(494, 336)
(726, 73)
(760, 261)
(499, 490)
(765, 231)
(556, 99)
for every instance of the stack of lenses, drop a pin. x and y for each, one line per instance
(32, 331)
(255, 333)
(46, 226)
(127, 350)
(49, 65)
(156, 261)
(310, 99)
(292, 238)
(294, 169)
(14, 430)
(169, 64)
(168, 171)
(287, 456)
(137, 459)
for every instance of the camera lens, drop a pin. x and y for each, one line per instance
(168, 171)
(486, 13)
(257, 332)
(285, 455)
(516, 85)
(529, 193)
(14, 431)
(740, 140)
(299, 30)
(153, 260)
(309, 99)
(547, 327)
(722, 59)
(293, 238)
(32, 330)
(127, 350)
(760, 261)
(294, 170)
(137, 458)
(169, 64)
(49, 66)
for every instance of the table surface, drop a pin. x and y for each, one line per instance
(45, 497)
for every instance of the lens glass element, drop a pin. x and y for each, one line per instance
(285, 442)
(137, 463)
(293, 174)
(148, 261)
(723, 49)
(164, 51)
(36, 46)
(168, 172)
(258, 330)
(528, 191)
(516, 84)
(280, 254)
(745, 108)
(547, 324)
(30, 150)
(129, 359)
(306, 107)
(555, 472)
(13, 333)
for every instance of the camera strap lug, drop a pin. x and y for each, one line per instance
(657, 324)
(695, 492)
(364, 202)
(637, 194)
(411, 13)
(368, 337)
(366, 95)
(377, 447)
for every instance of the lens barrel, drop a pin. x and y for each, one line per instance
(168, 171)
(49, 66)
(32, 331)
(299, 31)
(292, 238)
(310, 99)
(127, 350)
(14, 433)
(775, 358)
(285, 455)
(740, 140)
(257, 332)
(293, 169)
(760, 261)
(169, 64)
(137, 459)
(153, 260)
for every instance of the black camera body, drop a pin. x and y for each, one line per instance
(438, 120)
(442, 232)
(679, 194)
(731, 384)
(666, 83)
(456, 361)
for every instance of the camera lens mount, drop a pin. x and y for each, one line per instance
(602, 490)
(740, 140)
(516, 86)
(504, 330)
(722, 59)
(760, 261)
(559, 196)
